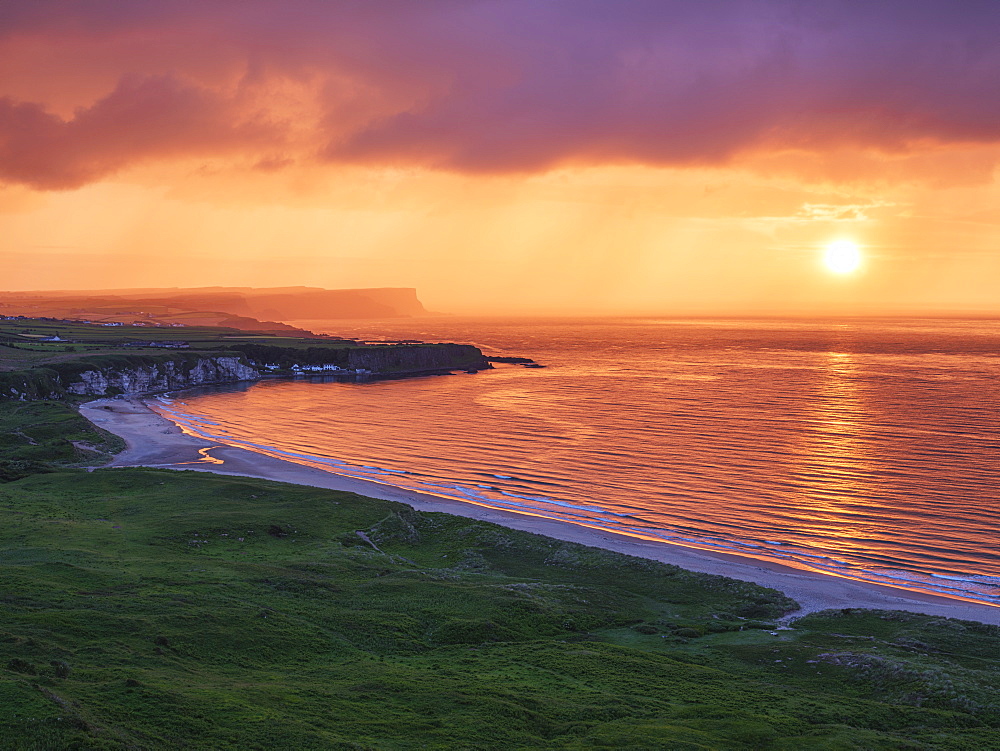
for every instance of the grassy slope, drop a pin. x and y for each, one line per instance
(22, 331)
(39, 435)
(24, 334)
(150, 609)
(20, 348)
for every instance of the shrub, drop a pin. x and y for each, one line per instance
(471, 632)
(62, 668)
(15, 470)
(21, 666)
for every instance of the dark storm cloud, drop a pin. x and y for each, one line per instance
(512, 85)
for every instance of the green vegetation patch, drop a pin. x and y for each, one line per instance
(40, 436)
(28, 329)
(156, 609)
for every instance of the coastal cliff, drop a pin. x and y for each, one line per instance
(163, 376)
(114, 375)
(416, 359)
(378, 360)
(127, 374)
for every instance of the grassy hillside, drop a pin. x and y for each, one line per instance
(155, 609)
(39, 436)
(28, 330)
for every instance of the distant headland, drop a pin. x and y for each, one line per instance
(243, 308)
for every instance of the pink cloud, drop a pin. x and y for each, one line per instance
(498, 85)
(141, 119)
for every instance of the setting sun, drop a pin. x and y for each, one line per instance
(842, 257)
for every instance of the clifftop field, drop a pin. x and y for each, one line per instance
(23, 342)
(155, 609)
(25, 345)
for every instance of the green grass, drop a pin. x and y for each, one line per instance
(24, 334)
(156, 609)
(25, 329)
(38, 436)
(20, 348)
(19, 351)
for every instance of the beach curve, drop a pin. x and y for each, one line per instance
(156, 442)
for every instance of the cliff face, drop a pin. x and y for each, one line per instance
(425, 358)
(142, 375)
(166, 376)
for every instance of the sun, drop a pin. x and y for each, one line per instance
(842, 257)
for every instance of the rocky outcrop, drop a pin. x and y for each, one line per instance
(163, 376)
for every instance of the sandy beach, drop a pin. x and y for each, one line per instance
(153, 441)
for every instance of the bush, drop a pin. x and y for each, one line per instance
(761, 609)
(472, 632)
(15, 470)
(21, 666)
(62, 668)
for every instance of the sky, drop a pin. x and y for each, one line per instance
(509, 156)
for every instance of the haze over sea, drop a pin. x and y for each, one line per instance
(867, 448)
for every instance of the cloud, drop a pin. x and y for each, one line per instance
(140, 119)
(492, 86)
(839, 212)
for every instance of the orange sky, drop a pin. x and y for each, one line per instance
(171, 149)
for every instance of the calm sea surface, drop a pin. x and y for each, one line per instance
(868, 449)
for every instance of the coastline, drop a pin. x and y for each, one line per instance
(154, 441)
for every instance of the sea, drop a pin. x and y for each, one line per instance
(863, 448)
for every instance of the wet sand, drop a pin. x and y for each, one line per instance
(154, 441)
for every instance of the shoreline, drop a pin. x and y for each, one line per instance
(154, 441)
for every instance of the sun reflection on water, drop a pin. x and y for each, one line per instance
(836, 473)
